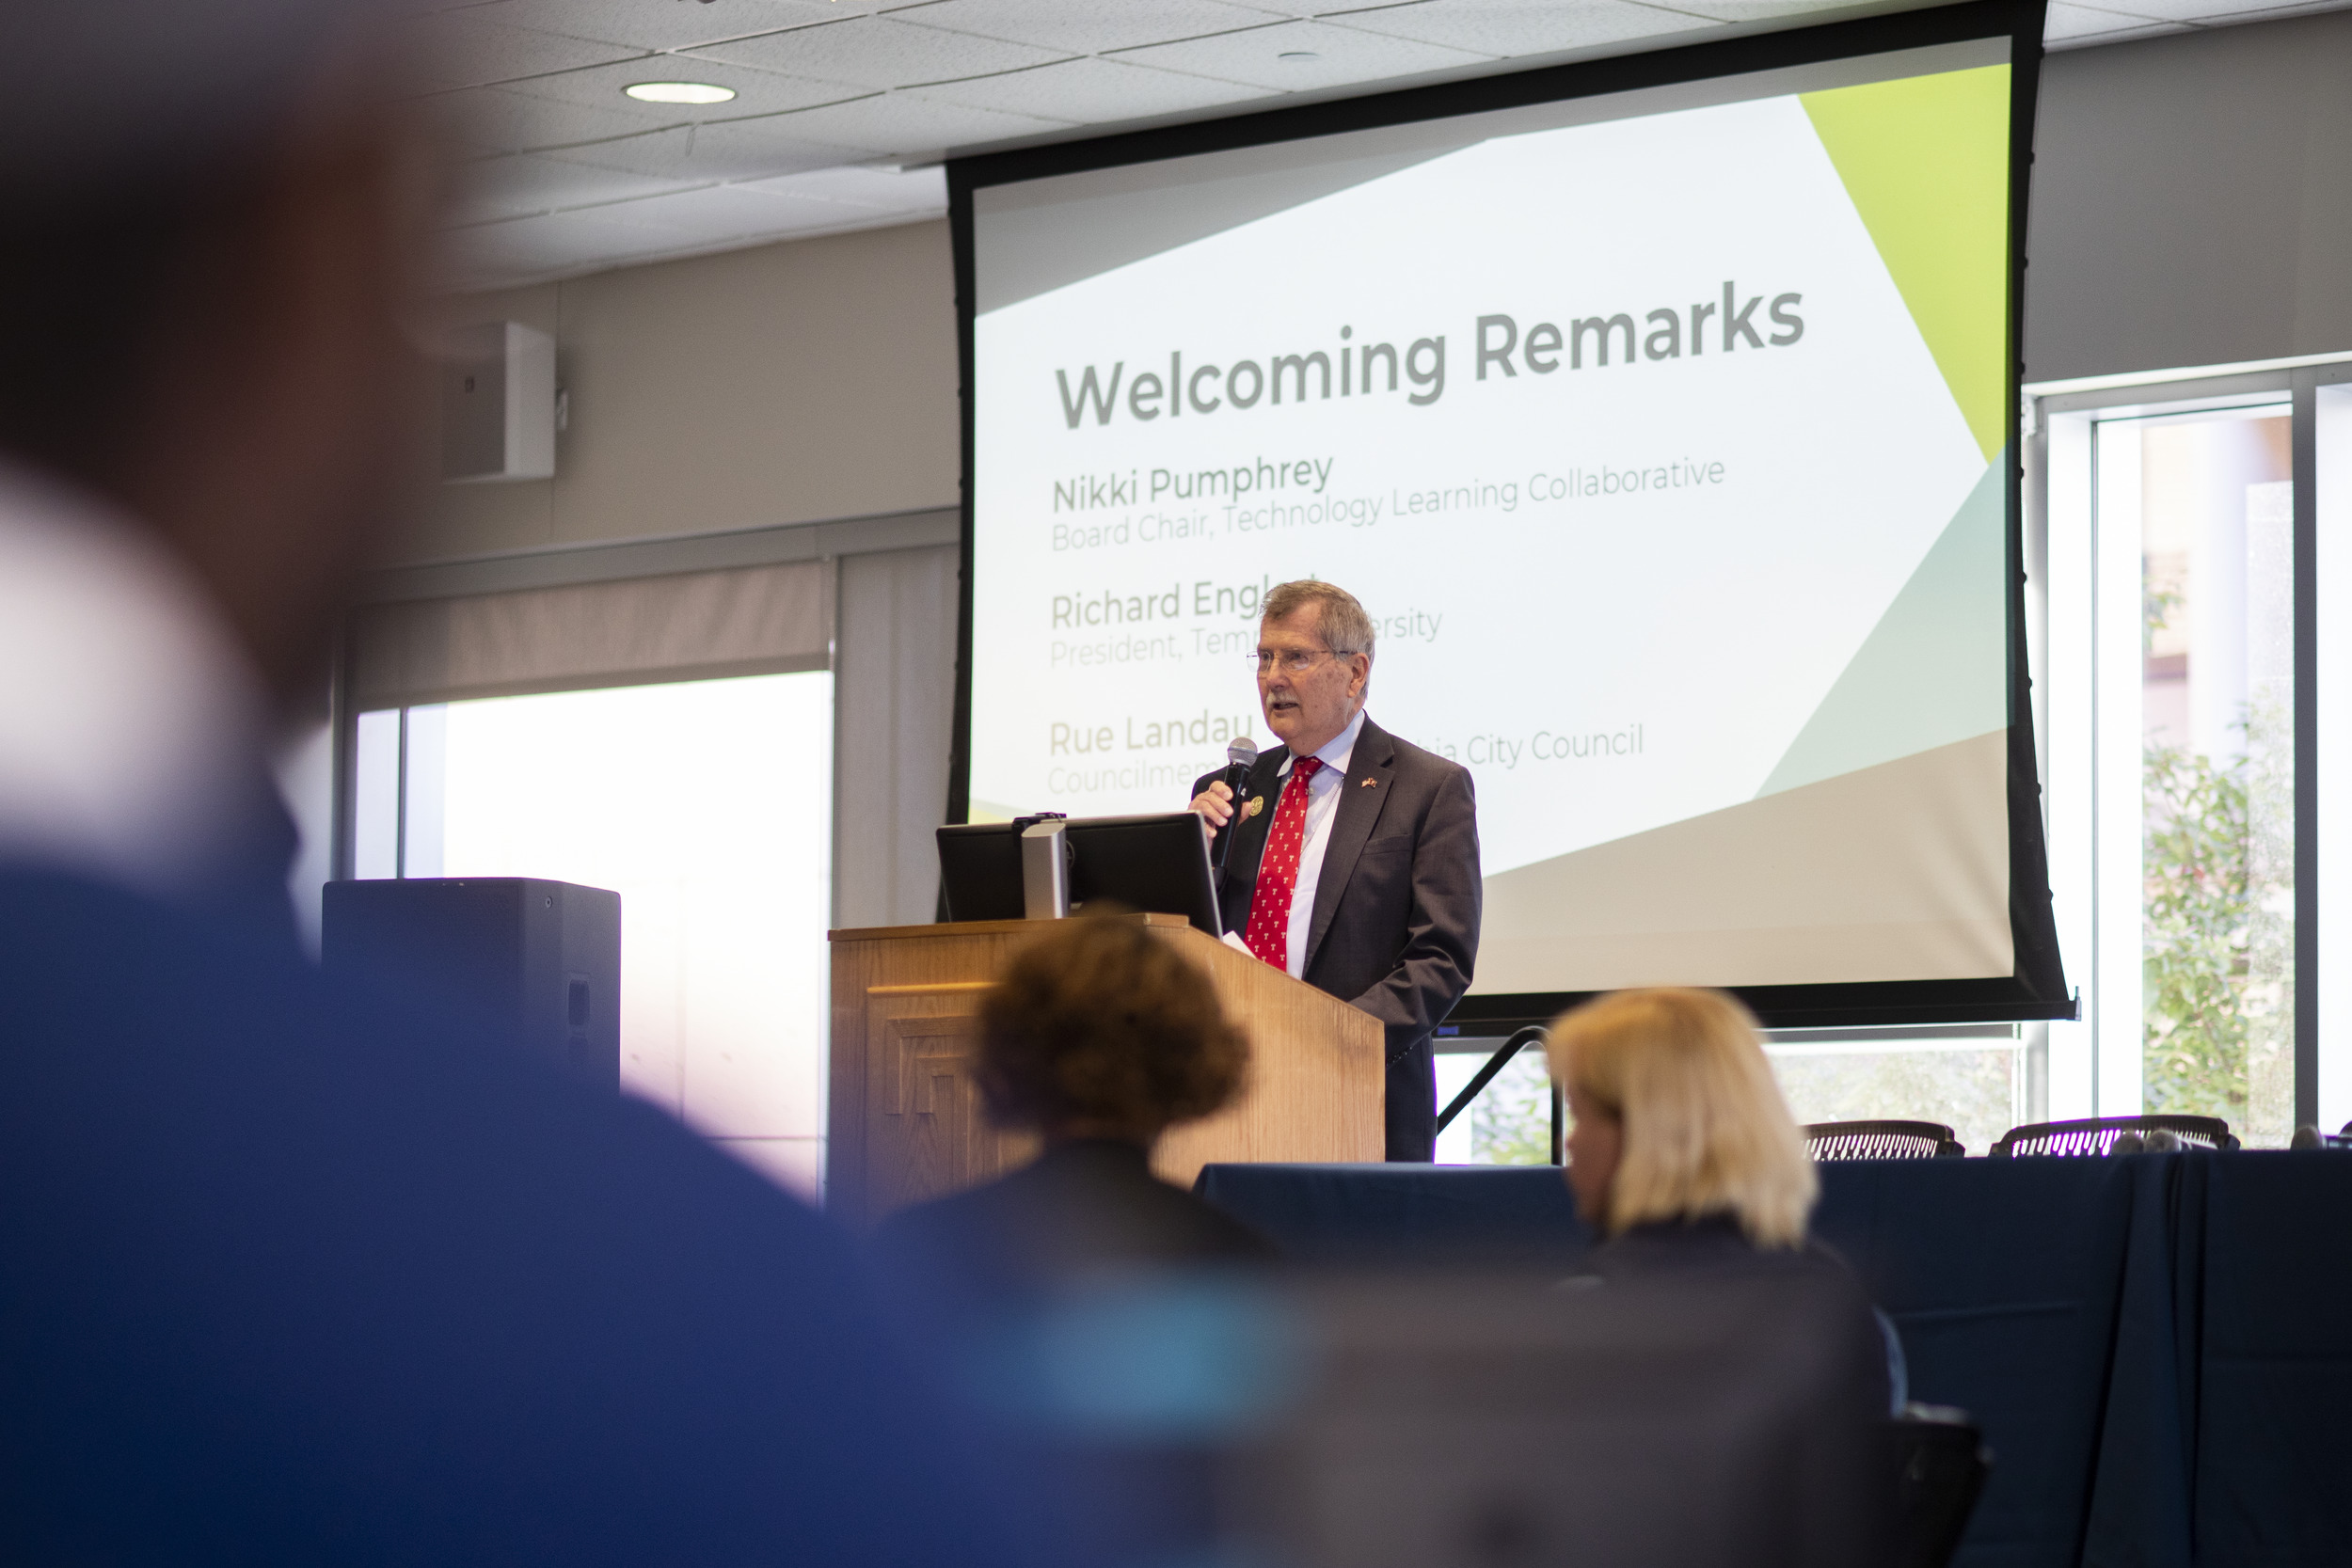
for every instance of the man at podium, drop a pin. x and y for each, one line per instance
(1355, 862)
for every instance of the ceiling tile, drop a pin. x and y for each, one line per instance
(2199, 10)
(502, 252)
(685, 223)
(1095, 92)
(720, 213)
(756, 92)
(488, 188)
(2128, 35)
(458, 49)
(1754, 10)
(635, 183)
(919, 192)
(912, 123)
(1082, 29)
(1300, 8)
(879, 52)
(494, 119)
(1340, 57)
(2280, 13)
(2067, 21)
(1515, 27)
(737, 150)
(659, 24)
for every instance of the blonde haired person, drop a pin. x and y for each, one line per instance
(1678, 1117)
(1682, 1154)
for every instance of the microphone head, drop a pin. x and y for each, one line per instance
(1243, 753)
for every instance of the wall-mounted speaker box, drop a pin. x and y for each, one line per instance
(543, 958)
(497, 403)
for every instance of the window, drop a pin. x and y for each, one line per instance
(1977, 1078)
(2184, 584)
(1510, 1121)
(707, 806)
(2211, 497)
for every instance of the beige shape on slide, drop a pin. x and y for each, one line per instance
(1894, 872)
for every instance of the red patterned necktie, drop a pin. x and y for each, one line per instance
(1269, 935)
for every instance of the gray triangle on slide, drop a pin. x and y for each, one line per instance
(1934, 670)
(1040, 234)
(1039, 237)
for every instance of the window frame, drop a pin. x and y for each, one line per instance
(2087, 1071)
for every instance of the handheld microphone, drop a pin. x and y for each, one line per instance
(1240, 757)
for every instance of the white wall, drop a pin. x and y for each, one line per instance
(793, 382)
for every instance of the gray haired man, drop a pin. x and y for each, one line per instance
(1355, 867)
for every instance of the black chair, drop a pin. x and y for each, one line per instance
(1881, 1140)
(2098, 1134)
(1942, 1463)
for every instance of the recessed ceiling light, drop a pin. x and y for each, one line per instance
(1298, 57)
(679, 92)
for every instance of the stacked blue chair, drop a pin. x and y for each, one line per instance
(2097, 1135)
(1881, 1140)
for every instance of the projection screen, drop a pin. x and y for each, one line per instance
(1662, 413)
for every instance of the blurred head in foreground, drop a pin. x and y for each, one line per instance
(1098, 1031)
(1678, 1117)
(245, 1320)
(210, 215)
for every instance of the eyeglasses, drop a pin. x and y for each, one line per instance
(1294, 661)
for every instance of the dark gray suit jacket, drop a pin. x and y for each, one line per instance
(1395, 924)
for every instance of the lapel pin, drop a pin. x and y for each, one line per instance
(1369, 782)
(1257, 804)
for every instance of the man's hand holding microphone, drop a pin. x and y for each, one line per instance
(1215, 804)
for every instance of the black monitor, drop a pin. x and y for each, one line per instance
(1157, 863)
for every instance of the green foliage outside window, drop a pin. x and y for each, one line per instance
(2217, 925)
(2195, 962)
(1511, 1122)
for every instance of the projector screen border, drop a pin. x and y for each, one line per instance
(2037, 989)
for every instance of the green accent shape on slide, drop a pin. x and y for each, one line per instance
(1925, 161)
(1931, 672)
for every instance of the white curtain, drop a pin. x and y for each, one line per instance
(894, 707)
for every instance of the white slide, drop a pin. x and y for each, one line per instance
(1661, 436)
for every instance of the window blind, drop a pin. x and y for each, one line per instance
(690, 625)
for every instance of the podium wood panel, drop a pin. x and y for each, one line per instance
(907, 1120)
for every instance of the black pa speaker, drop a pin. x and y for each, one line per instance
(543, 958)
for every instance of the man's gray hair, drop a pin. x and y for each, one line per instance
(1345, 627)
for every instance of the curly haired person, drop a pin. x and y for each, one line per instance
(1098, 1038)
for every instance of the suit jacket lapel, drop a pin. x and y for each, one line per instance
(1373, 760)
(1250, 847)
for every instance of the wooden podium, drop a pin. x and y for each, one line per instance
(907, 1121)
